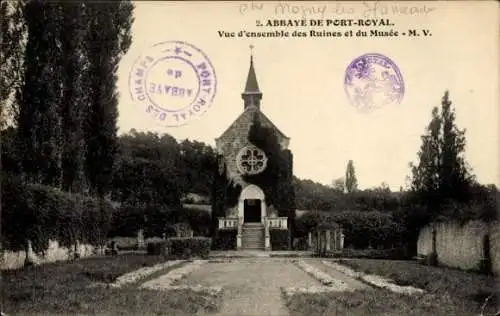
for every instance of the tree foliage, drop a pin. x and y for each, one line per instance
(41, 213)
(75, 100)
(147, 170)
(351, 182)
(39, 120)
(66, 100)
(12, 30)
(151, 175)
(198, 161)
(441, 175)
(107, 39)
(361, 229)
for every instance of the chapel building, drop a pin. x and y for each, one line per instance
(251, 218)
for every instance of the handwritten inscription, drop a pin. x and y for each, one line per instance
(374, 9)
(366, 9)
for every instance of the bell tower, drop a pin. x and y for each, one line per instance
(252, 94)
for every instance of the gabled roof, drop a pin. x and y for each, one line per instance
(243, 123)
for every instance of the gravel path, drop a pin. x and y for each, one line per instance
(251, 286)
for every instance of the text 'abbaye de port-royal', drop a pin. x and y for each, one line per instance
(326, 22)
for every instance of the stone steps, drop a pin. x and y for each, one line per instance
(253, 236)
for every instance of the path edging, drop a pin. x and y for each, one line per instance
(374, 280)
(166, 282)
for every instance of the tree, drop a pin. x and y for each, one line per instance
(74, 106)
(441, 174)
(107, 39)
(351, 183)
(12, 30)
(39, 121)
(147, 170)
(198, 161)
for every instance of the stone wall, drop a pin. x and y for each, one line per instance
(15, 260)
(461, 246)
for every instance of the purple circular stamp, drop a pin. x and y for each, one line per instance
(372, 81)
(174, 82)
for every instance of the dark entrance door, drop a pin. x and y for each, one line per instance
(252, 210)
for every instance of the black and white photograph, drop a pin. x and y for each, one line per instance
(227, 158)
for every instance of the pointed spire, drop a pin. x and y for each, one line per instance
(252, 94)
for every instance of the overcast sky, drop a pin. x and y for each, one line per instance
(302, 82)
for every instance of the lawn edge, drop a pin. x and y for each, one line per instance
(374, 280)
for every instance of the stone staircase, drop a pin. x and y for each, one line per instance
(253, 236)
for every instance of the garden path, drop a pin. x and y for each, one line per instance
(252, 285)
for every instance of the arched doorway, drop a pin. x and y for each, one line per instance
(252, 204)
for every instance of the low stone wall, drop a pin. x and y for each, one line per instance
(461, 245)
(15, 260)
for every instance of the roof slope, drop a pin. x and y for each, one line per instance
(251, 85)
(241, 126)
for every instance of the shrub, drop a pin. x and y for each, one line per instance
(301, 243)
(279, 239)
(157, 247)
(125, 243)
(361, 228)
(41, 213)
(198, 220)
(187, 247)
(127, 220)
(225, 240)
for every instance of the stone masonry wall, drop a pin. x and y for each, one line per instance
(15, 260)
(461, 246)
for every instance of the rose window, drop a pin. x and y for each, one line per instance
(251, 160)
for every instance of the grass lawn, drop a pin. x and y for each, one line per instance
(463, 289)
(64, 288)
(373, 302)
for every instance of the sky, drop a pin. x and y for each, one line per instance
(302, 80)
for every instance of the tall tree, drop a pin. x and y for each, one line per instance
(441, 173)
(74, 106)
(12, 33)
(39, 120)
(455, 179)
(108, 38)
(351, 182)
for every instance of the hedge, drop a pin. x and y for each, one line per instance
(362, 229)
(279, 239)
(41, 213)
(187, 247)
(225, 240)
(157, 247)
(181, 247)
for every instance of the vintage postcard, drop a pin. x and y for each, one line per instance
(250, 158)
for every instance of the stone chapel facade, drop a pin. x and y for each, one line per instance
(251, 218)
